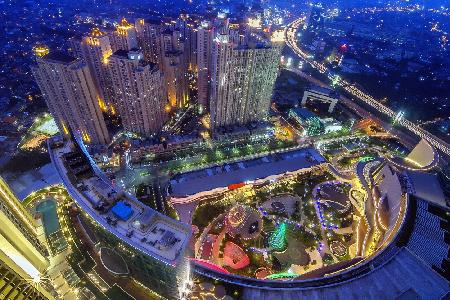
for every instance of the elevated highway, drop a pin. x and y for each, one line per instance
(292, 42)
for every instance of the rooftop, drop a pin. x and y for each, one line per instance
(243, 171)
(124, 24)
(121, 53)
(60, 57)
(153, 21)
(96, 32)
(322, 90)
(426, 186)
(303, 113)
(403, 272)
(124, 216)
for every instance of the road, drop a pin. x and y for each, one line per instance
(292, 42)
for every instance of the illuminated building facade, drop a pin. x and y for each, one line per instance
(176, 79)
(148, 36)
(171, 40)
(69, 91)
(124, 37)
(74, 47)
(140, 92)
(205, 36)
(187, 24)
(152, 244)
(96, 50)
(23, 253)
(242, 81)
(175, 68)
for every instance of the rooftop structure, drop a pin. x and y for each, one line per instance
(41, 50)
(307, 119)
(422, 155)
(124, 37)
(96, 32)
(124, 25)
(404, 275)
(416, 253)
(224, 176)
(122, 215)
(321, 94)
(122, 210)
(425, 186)
(59, 57)
(301, 113)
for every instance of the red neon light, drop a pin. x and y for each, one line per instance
(235, 186)
(209, 265)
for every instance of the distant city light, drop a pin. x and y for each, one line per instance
(289, 62)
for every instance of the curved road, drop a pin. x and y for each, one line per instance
(292, 42)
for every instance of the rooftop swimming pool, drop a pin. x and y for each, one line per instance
(51, 225)
(49, 216)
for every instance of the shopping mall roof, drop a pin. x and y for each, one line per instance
(404, 272)
(190, 183)
(427, 187)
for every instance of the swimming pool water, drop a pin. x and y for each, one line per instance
(49, 216)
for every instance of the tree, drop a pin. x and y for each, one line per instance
(276, 265)
(277, 240)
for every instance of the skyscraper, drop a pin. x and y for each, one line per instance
(148, 36)
(205, 35)
(70, 94)
(74, 48)
(171, 40)
(187, 25)
(23, 252)
(243, 76)
(175, 68)
(124, 37)
(140, 92)
(176, 78)
(96, 50)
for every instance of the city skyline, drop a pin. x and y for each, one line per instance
(224, 150)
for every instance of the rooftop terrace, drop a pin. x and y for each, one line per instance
(143, 228)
